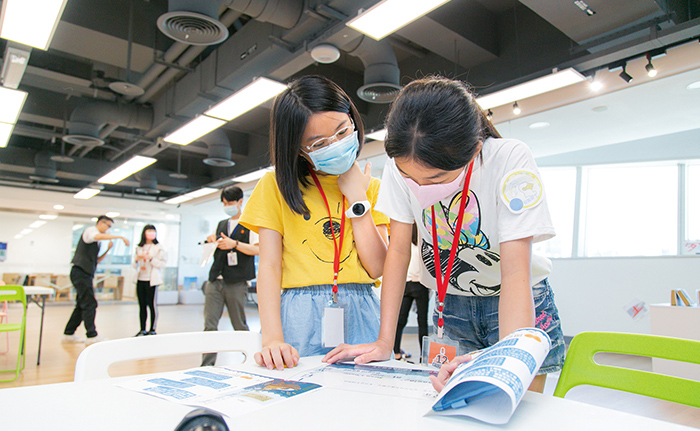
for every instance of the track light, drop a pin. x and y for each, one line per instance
(651, 70)
(624, 75)
(516, 109)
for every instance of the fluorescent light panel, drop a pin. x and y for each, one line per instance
(31, 22)
(247, 98)
(379, 135)
(195, 129)
(5, 133)
(11, 102)
(537, 86)
(37, 224)
(127, 169)
(48, 216)
(255, 175)
(191, 195)
(86, 193)
(112, 214)
(390, 15)
(25, 231)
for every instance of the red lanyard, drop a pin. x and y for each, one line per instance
(442, 282)
(338, 246)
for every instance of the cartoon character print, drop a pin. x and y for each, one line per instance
(473, 254)
(326, 254)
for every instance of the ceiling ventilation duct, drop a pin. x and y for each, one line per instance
(381, 78)
(45, 170)
(219, 149)
(194, 22)
(148, 185)
(284, 13)
(91, 116)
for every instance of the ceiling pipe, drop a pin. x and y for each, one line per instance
(90, 118)
(219, 149)
(45, 170)
(227, 18)
(284, 13)
(381, 76)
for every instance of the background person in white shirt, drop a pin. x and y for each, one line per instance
(149, 259)
(85, 263)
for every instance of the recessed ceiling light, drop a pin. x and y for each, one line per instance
(693, 85)
(58, 207)
(48, 216)
(112, 214)
(602, 108)
(539, 125)
(596, 85)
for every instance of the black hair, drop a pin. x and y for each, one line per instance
(414, 234)
(143, 235)
(231, 194)
(104, 218)
(436, 121)
(290, 114)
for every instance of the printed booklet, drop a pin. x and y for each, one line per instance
(491, 385)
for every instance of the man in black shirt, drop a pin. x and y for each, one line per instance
(84, 263)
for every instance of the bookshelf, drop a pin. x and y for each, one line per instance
(680, 322)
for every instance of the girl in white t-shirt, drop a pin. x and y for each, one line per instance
(479, 200)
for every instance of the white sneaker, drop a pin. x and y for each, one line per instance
(72, 339)
(95, 339)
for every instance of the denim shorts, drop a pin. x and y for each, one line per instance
(302, 315)
(473, 322)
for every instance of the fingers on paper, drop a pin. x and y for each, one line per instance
(278, 356)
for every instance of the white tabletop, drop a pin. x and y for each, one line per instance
(99, 404)
(38, 290)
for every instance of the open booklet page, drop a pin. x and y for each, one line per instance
(227, 391)
(491, 385)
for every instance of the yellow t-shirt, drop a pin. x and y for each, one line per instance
(307, 245)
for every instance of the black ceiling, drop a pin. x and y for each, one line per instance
(490, 44)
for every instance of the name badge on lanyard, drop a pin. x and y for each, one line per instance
(333, 323)
(232, 256)
(438, 349)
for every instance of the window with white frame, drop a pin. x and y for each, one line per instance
(691, 244)
(560, 190)
(629, 210)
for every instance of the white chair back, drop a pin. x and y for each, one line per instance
(95, 360)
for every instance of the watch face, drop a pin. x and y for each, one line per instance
(358, 209)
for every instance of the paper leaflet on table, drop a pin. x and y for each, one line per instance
(208, 250)
(227, 391)
(373, 378)
(490, 386)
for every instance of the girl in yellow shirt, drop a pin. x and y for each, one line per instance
(322, 246)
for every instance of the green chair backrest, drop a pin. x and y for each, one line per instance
(581, 369)
(13, 293)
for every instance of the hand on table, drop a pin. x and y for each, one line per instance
(363, 353)
(446, 371)
(277, 355)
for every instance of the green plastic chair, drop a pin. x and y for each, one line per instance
(15, 293)
(581, 369)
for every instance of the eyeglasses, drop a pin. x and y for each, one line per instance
(324, 142)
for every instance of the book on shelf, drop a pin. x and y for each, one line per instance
(685, 298)
(490, 386)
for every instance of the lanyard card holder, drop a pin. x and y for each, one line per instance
(439, 351)
(232, 258)
(333, 327)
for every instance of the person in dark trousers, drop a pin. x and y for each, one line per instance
(149, 259)
(414, 291)
(234, 265)
(85, 260)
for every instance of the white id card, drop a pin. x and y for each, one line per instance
(232, 258)
(333, 332)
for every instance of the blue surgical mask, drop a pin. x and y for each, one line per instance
(337, 158)
(231, 210)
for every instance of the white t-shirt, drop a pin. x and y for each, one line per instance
(506, 202)
(89, 234)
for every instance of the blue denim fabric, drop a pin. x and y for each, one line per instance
(302, 315)
(473, 322)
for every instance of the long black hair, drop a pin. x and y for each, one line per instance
(290, 114)
(143, 235)
(436, 122)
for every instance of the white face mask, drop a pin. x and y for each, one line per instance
(431, 194)
(231, 210)
(338, 157)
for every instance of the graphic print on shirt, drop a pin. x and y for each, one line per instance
(324, 252)
(473, 254)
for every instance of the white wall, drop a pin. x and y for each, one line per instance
(592, 292)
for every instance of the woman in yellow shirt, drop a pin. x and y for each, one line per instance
(322, 246)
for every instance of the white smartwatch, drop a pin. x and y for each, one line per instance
(358, 209)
